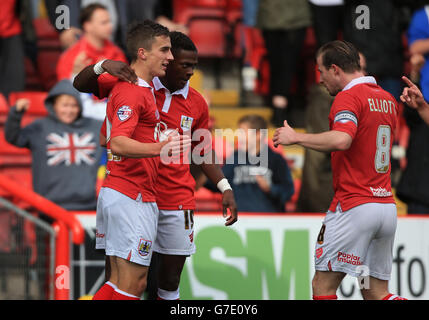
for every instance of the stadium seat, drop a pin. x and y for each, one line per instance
(46, 65)
(209, 36)
(206, 200)
(4, 109)
(47, 36)
(37, 101)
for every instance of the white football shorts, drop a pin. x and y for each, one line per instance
(125, 227)
(359, 241)
(175, 232)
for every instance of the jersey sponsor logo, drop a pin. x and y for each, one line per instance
(144, 247)
(346, 116)
(380, 192)
(99, 235)
(186, 123)
(124, 113)
(71, 148)
(348, 258)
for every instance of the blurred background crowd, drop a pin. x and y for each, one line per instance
(256, 69)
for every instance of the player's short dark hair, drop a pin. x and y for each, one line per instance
(87, 12)
(341, 53)
(255, 121)
(142, 35)
(180, 41)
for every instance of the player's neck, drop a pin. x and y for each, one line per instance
(142, 71)
(347, 77)
(169, 86)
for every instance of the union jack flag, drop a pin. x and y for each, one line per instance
(70, 148)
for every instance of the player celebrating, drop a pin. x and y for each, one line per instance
(358, 231)
(127, 215)
(182, 108)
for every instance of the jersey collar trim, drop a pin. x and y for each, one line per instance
(359, 80)
(143, 83)
(158, 85)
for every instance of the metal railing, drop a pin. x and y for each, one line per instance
(64, 223)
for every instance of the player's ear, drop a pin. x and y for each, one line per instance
(336, 69)
(141, 53)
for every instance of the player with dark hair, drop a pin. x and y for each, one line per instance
(359, 228)
(181, 108)
(127, 215)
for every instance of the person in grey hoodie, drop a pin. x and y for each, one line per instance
(64, 146)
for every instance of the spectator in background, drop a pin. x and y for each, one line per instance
(91, 48)
(94, 44)
(257, 187)
(122, 12)
(64, 145)
(373, 26)
(11, 49)
(328, 18)
(413, 187)
(284, 24)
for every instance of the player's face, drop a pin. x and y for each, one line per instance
(181, 69)
(159, 56)
(100, 24)
(66, 108)
(328, 78)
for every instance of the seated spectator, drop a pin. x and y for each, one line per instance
(91, 48)
(64, 145)
(262, 187)
(94, 45)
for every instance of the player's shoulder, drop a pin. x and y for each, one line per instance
(197, 99)
(123, 90)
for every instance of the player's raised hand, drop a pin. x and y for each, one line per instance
(284, 135)
(228, 201)
(22, 105)
(120, 69)
(412, 95)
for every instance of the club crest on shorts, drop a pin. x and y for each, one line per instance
(186, 123)
(124, 113)
(144, 247)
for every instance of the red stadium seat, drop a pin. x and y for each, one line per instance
(4, 109)
(209, 36)
(46, 65)
(37, 101)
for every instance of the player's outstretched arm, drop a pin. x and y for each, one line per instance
(213, 171)
(327, 141)
(86, 80)
(413, 97)
(130, 148)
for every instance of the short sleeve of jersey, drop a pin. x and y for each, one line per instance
(344, 115)
(419, 26)
(106, 83)
(125, 115)
(202, 125)
(103, 128)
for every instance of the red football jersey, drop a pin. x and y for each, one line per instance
(187, 111)
(369, 115)
(131, 112)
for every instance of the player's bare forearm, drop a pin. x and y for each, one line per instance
(211, 169)
(86, 81)
(327, 141)
(420, 47)
(130, 148)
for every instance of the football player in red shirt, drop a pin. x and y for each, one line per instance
(182, 108)
(358, 231)
(127, 214)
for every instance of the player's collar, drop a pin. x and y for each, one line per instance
(360, 80)
(143, 83)
(158, 85)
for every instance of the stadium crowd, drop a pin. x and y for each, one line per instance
(45, 42)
